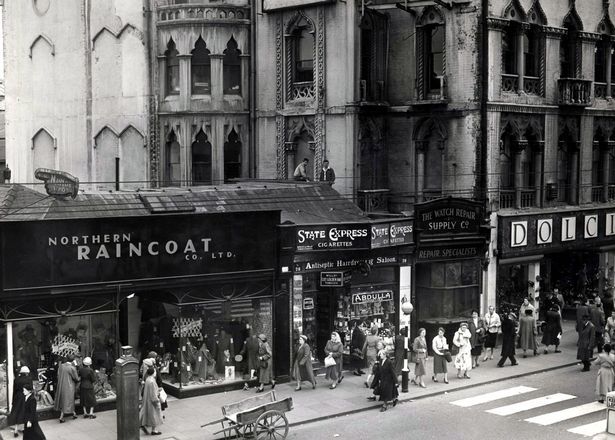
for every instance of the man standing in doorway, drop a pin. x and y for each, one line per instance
(327, 174)
(301, 171)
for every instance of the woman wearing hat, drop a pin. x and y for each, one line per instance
(17, 415)
(32, 430)
(303, 363)
(65, 391)
(334, 350)
(265, 374)
(463, 360)
(419, 346)
(86, 390)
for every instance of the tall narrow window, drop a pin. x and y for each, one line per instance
(600, 61)
(232, 156)
(201, 160)
(232, 69)
(570, 51)
(201, 69)
(172, 69)
(172, 161)
(304, 56)
(433, 170)
(597, 177)
(531, 51)
(435, 56)
(509, 50)
(431, 48)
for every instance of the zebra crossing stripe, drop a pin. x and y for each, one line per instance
(490, 397)
(590, 429)
(565, 414)
(530, 404)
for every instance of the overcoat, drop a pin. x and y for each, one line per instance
(303, 364)
(587, 340)
(18, 408)
(508, 336)
(65, 392)
(34, 432)
(150, 413)
(385, 379)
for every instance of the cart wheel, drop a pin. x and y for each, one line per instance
(271, 425)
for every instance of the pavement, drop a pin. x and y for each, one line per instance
(184, 417)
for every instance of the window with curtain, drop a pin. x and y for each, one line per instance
(232, 69)
(201, 68)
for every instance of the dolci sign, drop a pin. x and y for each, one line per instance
(135, 249)
(448, 216)
(328, 237)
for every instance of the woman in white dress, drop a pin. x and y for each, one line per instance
(606, 374)
(463, 360)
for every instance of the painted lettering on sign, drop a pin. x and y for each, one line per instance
(569, 228)
(544, 231)
(333, 237)
(448, 216)
(447, 253)
(591, 226)
(518, 234)
(370, 297)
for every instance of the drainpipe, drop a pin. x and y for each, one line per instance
(482, 155)
(252, 94)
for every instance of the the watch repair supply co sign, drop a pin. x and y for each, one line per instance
(333, 237)
(371, 297)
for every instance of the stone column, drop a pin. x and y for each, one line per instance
(550, 151)
(609, 57)
(519, 147)
(185, 81)
(539, 183)
(494, 83)
(584, 164)
(245, 80)
(162, 76)
(553, 36)
(520, 58)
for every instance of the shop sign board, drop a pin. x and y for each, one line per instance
(395, 233)
(273, 5)
(333, 264)
(338, 278)
(448, 216)
(525, 234)
(333, 237)
(371, 297)
(449, 251)
(96, 251)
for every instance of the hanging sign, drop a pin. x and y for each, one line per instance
(335, 278)
(371, 297)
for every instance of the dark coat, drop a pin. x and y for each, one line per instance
(385, 380)
(477, 332)
(527, 333)
(508, 336)
(597, 318)
(86, 388)
(399, 354)
(329, 176)
(18, 406)
(581, 310)
(34, 432)
(303, 364)
(250, 349)
(587, 340)
(553, 327)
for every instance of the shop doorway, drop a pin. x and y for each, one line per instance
(575, 274)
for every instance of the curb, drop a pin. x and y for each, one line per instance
(423, 396)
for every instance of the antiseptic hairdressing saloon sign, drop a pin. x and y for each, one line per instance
(105, 250)
(562, 230)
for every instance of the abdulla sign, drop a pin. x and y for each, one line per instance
(371, 297)
(109, 250)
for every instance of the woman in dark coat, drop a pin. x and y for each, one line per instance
(32, 430)
(508, 339)
(476, 325)
(17, 415)
(400, 351)
(86, 388)
(386, 381)
(265, 374)
(553, 329)
(334, 349)
(303, 364)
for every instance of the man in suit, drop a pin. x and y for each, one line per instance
(596, 315)
(582, 310)
(327, 174)
(585, 345)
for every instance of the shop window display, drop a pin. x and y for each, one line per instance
(43, 344)
(205, 345)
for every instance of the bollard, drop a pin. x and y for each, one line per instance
(127, 385)
(610, 412)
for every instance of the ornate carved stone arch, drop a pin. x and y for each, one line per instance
(172, 128)
(294, 21)
(514, 11)
(43, 38)
(43, 130)
(298, 126)
(431, 15)
(573, 18)
(536, 15)
(427, 127)
(201, 125)
(605, 26)
(604, 127)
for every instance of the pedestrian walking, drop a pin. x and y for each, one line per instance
(463, 359)
(65, 391)
(606, 373)
(609, 328)
(553, 330)
(357, 340)
(493, 324)
(386, 381)
(419, 346)
(370, 352)
(265, 369)
(32, 430)
(86, 388)
(400, 350)
(597, 318)
(150, 413)
(586, 342)
(303, 363)
(608, 303)
(250, 351)
(439, 345)
(334, 351)
(524, 306)
(477, 330)
(527, 332)
(18, 405)
(508, 339)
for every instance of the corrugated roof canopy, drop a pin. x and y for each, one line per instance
(301, 203)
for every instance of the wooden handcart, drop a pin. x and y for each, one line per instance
(260, 417)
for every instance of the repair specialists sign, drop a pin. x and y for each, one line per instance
(72, 252)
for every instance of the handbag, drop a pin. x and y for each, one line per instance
(447, 355)
(413, 357)
(162, 395)
(329, 361)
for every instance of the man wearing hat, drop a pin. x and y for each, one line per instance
(17, 415)
(303, 364)
(86, 389)
(587, 340)
(65, 390)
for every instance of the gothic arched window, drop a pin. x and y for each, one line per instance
(201, 69)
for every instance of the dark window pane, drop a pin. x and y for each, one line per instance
(201, 69)
(201, 160)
